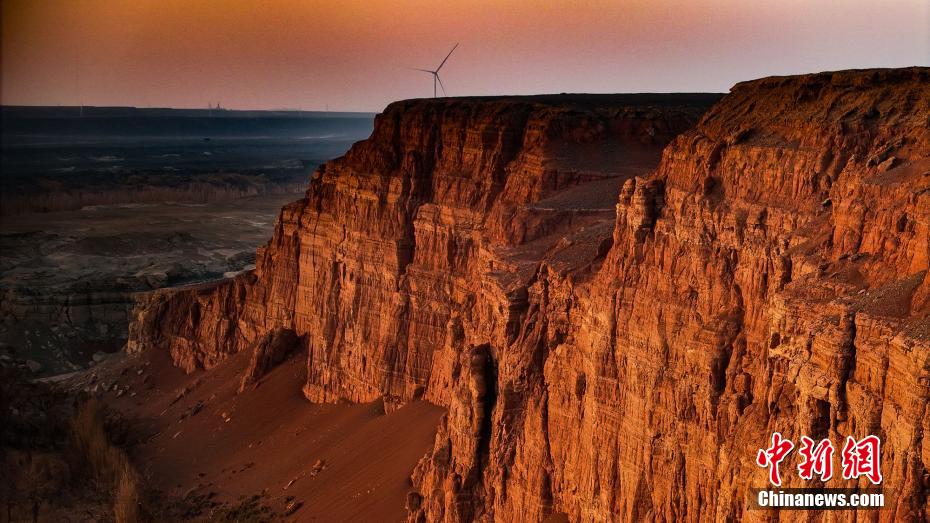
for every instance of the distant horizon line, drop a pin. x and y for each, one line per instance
(324, 111)
(170, 108)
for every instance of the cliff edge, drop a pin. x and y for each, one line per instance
(616, 298)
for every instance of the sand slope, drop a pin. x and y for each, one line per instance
(341, 462)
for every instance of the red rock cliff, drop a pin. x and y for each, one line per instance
(613, 341)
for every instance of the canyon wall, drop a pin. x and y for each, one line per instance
(616, 298)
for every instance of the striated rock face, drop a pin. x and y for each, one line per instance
(448, 203)
(766, 278)
(613, 341)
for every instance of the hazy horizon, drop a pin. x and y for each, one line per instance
(165, 107)
(353, 55)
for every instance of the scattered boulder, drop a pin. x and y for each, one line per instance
(318, 467)
(292, 506)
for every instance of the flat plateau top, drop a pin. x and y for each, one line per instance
(585, 99)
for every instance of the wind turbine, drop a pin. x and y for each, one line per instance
(436, 73)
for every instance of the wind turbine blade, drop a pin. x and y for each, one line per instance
(440, 85)
(446, 58)
(424, 70)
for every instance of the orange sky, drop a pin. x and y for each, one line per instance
(352, 54)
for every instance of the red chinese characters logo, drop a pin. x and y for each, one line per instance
(858, 458)
(861, 458)
(773, 456)
(816, 460)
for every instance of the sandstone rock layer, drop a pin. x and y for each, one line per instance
(616, 298)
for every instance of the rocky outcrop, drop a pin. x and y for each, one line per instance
(267, 352)
(612, 341)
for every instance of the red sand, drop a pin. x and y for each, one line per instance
(274, 437)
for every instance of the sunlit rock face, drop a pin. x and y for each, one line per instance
(616, 298)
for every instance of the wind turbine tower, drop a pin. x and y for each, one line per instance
(435, 73)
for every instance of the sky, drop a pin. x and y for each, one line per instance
(356, 54)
